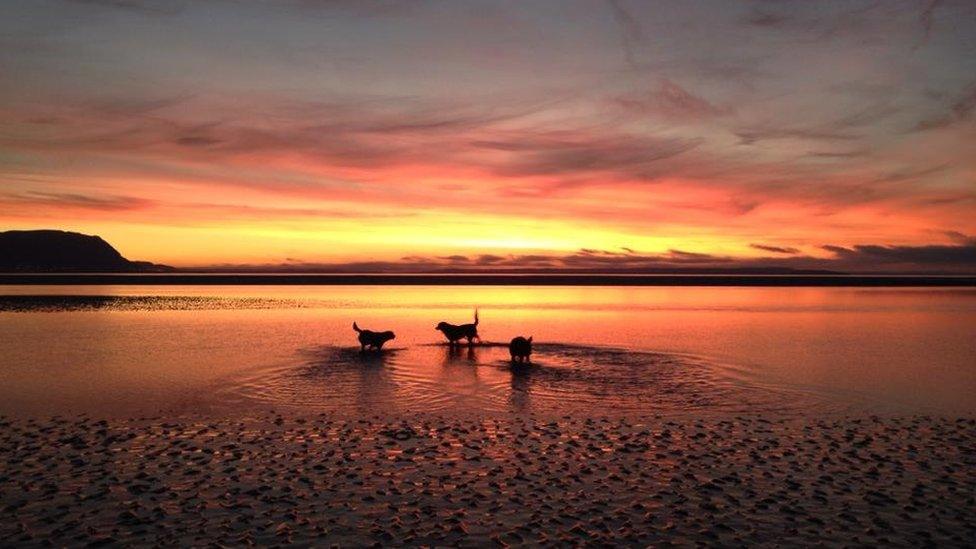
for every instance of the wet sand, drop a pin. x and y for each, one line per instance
(509, 480)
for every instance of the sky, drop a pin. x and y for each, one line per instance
(615, 134)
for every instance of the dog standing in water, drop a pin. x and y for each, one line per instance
(455, 333)
(521, 350)
(372, 340)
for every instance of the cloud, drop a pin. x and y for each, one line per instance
(861, 258)
(932, 255)
(839, 154)
(865, 116)
(489, 259)
(672, 102)
(166, 7)
(926, 19)
(752, 135)
(360, 145)
(204, 210)
(631, 32)
(962, 238)
(840, 127)
(455, 258)
(775, 249)
(364, 8)
(959, 111)
(913, 173)
(106, 203)
(342, 133)
(766, 19)
(696, 257)
(556, 153)
(197, 141)
(498, 123)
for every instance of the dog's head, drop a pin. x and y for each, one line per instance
(386, 336)
(442, 326)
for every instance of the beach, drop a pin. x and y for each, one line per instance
(189, 416)
(427, 479)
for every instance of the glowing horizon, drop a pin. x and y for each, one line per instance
(195, 134)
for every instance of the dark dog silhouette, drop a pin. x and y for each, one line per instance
(521, 349)
(455, 333)
(372, 340)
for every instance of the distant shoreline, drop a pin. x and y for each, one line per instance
(508, 279)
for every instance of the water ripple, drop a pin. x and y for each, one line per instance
(562, 379)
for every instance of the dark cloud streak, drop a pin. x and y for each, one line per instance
(160, 7)
(39, 199)
(631, 32)
(927, 20)
(959, 111)
(937, 255)
(671, 101)
(775, 249)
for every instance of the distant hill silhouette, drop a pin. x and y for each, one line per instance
(63, 251)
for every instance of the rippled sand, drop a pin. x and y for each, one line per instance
(443, 480)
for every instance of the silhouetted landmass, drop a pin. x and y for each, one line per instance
(50, 251)
(61, 257)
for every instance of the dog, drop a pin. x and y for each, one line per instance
(455, 333)
(371, 339)
(521, 349)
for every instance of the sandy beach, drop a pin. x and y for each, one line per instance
(437, 480)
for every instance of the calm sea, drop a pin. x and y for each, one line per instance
(170, 350)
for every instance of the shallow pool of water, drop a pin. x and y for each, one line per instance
(138, 350)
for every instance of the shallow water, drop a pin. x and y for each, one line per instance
(149, 350)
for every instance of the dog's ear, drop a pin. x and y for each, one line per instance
(530, 339)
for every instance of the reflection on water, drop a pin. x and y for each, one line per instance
(142, 349)
(562, 379)
(461, 354)
(333, 377)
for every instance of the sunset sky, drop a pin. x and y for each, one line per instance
(588, 134)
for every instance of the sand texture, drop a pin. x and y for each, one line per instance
(439, 480)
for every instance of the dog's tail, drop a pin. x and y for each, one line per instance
(354, 327)
(476, 317)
